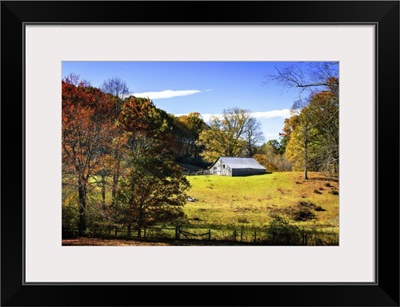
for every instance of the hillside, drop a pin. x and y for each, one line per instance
(253, 201)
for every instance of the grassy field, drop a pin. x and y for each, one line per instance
(273, 209)
(253, 201)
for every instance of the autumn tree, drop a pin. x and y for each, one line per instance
(234, 134)
(311, 135)
(153, 188)
(324, 109)
(289, 125)
(195, 124)
(314, 141)
(111, 154)
(86, 126)
(274, 146)
(186, 129)
(299, 147)
(272, 156)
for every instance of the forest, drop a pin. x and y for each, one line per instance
(126, 162)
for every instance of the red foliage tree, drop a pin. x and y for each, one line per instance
(86, 133)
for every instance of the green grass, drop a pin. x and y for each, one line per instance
(251, 201)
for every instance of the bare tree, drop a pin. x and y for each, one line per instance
(115, 86)
(306, 76)
(319, 113)
(233, 134)
(253, 134)
(119, 89)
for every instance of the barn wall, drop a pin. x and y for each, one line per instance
(225, 170)
(213, 169)
(218, 169)
(247, 172)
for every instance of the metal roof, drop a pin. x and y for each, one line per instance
(234, 162)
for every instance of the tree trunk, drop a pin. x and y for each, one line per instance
(129, 231)
(82, 207)
(305, 160)
(115, 180)
(250, 146)
(103, 190)
(140, 222)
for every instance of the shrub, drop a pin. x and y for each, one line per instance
(303, 214)
(302, 211)
(327, 184)
(281, 232)
(334, 192)
(306, 204)
(317, 192)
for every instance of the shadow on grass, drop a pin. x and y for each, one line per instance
(172, 242)
(333, 179)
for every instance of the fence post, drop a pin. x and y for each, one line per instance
(209, 234)
(241, 235)
(234, 235)
(255, 236)
(177, 232)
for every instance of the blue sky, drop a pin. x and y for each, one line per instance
(205, 87)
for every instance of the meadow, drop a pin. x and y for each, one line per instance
(279, 208)
(255, 201)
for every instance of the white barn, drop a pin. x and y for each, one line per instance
(233, 166)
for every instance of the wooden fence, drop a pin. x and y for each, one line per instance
(266, 236)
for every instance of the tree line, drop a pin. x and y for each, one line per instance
(119, 159)
(310, 137)
(121, 154)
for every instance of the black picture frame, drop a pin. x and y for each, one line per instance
(383, 14)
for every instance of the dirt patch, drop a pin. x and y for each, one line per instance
(302, 211)
(108, 242)
(121, 242)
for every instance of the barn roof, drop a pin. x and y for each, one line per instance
(234, 162)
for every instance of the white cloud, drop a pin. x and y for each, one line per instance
(166, 94)
(284, 113)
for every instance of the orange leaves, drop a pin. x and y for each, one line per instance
(83, 97)
(86, 127)
(133, 116)
(139, 115)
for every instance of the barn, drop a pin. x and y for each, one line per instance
(233, 166)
